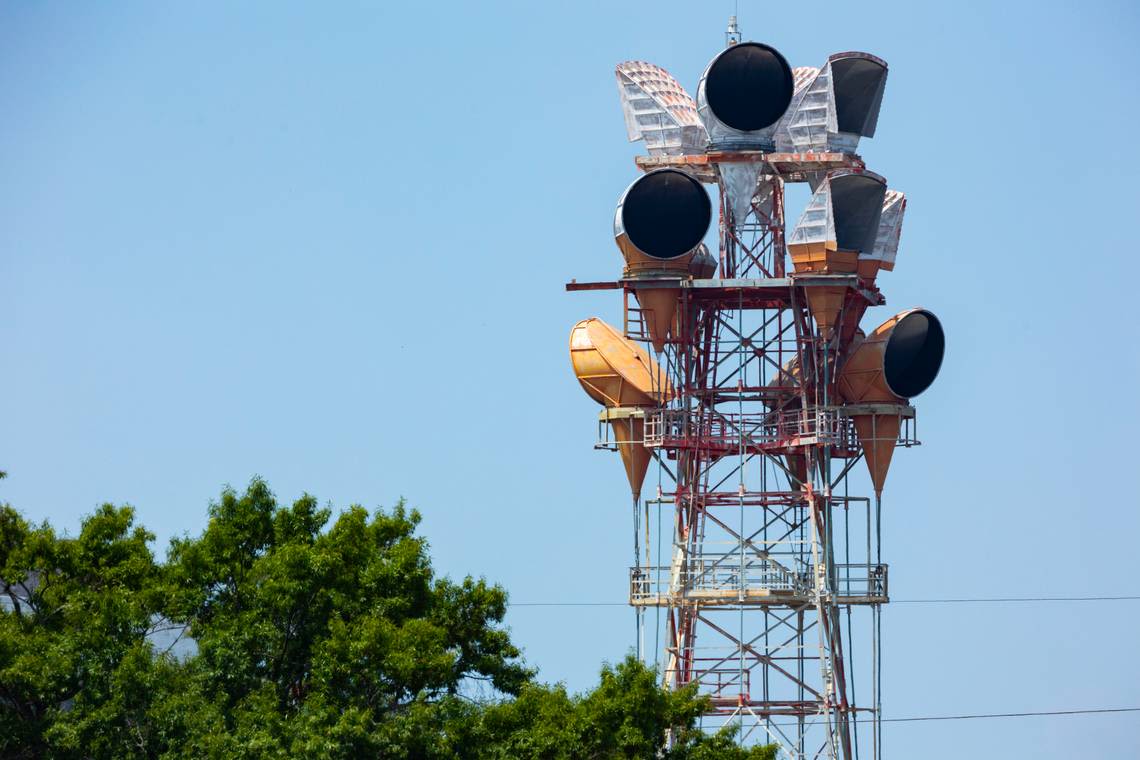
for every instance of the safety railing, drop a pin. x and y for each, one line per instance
(723, 581)
(677, 428)
(776, 430)
(865, 582)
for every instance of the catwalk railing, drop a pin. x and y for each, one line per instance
(779, 431)
(721, 580)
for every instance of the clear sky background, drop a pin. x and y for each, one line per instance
(326, 243)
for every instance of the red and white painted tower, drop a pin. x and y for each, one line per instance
(742, 392)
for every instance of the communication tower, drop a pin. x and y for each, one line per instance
(750, 386)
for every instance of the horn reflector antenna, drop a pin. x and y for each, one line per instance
(743, 94)
(621, 376)
(660, 221)
(896, 362)
(841, 222)
(835, 105)
(658, 110)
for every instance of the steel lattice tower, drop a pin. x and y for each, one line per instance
(758, 570)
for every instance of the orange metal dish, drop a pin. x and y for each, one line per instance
(614, 370)
(897, 361)
(620, 375)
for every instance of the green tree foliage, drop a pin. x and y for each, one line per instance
(77, 615)
(313, 638)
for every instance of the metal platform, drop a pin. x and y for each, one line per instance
(790, 167)
(758, 293)
(775, 432)
(763, 581)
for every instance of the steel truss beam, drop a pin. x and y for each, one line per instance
(757, 561)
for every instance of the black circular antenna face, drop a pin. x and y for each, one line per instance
(914, 354)
(666, 213)
(749, 86)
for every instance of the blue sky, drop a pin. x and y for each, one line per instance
(326, 244)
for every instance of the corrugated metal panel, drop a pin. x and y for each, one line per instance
(658, 110)
(890, 230)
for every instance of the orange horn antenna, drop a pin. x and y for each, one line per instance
(620, 375)
(840, 222)
(896, 362)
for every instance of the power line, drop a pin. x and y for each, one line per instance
(1089, 711)
(1029, 714)
(958, 600)
(1018, 599)
(963, 600)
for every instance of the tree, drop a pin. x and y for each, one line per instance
(313, 639)
(627, 715)
(76, 611)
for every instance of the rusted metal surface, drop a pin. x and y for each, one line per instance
(574, 285)
(790, 167)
